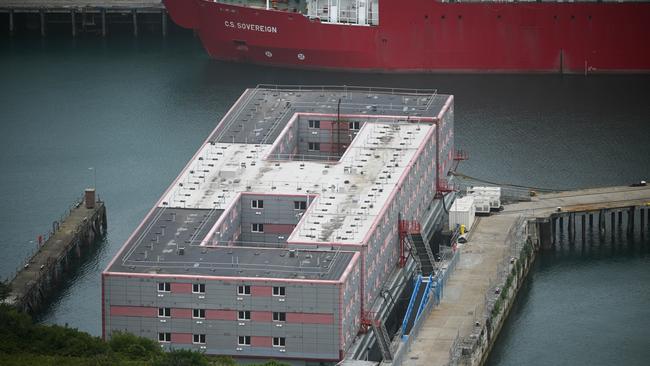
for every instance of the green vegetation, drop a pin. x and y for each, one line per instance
(5, 289)
(524, 256)
(24, 343)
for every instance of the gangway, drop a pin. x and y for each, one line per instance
(419, 299)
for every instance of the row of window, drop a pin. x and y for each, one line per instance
(277, 315)
(199, 288)
(241, 315)
(297, 205)
(246, 290)
(246, 341)
(166, 337)
(354, 125)
(257, 228)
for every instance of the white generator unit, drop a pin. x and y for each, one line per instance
(481, 204)
(492, 194)
(462, 213)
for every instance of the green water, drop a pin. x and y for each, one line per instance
(136, 110)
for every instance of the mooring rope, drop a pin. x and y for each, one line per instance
(541, 189)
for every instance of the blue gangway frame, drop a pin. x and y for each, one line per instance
(409, 309)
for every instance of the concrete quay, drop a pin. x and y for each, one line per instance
(36, 280)
(465, 294)
(496, 259)
(86, 16)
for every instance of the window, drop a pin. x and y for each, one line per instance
(279, 317)
(198, 288)
(278, 291)
(198, 338)
(243, 290)
(278, 341)
(314, 124)
(198, 313)
(257, 204)
(257, 228)
(299, 205)
(354, 125)
(164, 312)
(164, 287)
(164, 337)
(313, 146)
(244, 340)
(243, 315)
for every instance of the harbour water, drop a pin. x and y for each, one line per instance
(135, 110)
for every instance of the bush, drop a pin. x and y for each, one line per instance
(133, 347)
(5, 289)
(496, 308)
(272, 363)
(223, 361)
(181, 358)
(24, 343)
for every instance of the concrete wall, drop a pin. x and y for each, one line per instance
(278, 216)
(334, 138)
(351, 306)
(286, 145)
(446, 140)
(311, 330)
(228, 228)
(415, 192)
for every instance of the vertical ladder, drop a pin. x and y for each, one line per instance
(414, 252)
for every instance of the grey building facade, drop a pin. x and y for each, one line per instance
(277, 237)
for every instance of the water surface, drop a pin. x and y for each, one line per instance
(137, 110)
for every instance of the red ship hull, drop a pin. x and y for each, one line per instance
(429, 36)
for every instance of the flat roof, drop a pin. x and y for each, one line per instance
(262, 112)
(349, 193)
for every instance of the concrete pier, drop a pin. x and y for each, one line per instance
(36, 280)
(80, 15)
(497, 257)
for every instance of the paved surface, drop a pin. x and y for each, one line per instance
(464, 294)
(582, 200)
(481, 256)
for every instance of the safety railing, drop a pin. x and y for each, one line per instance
(409, 309)
(346, 88)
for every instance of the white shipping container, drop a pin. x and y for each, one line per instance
(493, 194)
(481, 204)
(462, 212)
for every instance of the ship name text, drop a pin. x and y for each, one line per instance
(251, 27)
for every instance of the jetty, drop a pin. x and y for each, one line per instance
(34, 282)
(87, 16)
(494, 262)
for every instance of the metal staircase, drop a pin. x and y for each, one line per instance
(422, 253)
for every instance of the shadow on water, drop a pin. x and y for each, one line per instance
(87, 264)
(582, 303)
